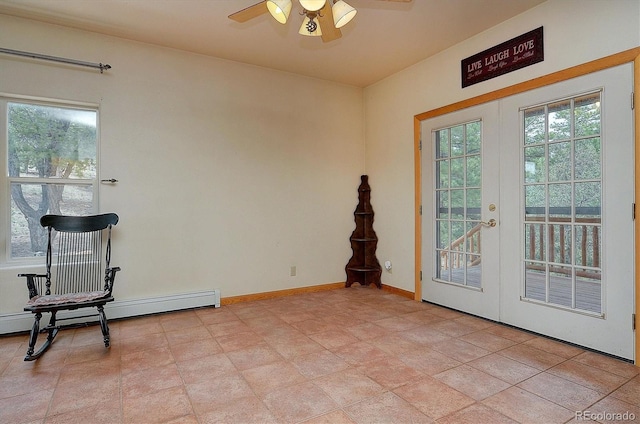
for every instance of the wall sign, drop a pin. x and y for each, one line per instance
(509, 56)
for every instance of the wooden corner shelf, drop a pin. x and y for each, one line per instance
(363, 267)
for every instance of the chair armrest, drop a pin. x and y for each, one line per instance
(109, 278)
(31, 283)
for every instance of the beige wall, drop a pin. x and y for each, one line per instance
(228, 177)
(228, 174)
(575, 32)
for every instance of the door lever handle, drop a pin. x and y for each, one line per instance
(492, 223)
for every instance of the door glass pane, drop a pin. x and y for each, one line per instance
(562, 198)
(458, 203)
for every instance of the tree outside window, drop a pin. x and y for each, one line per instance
(51, 169)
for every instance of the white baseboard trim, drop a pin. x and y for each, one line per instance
(23, 321)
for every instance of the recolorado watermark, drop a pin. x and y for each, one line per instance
(605, 416)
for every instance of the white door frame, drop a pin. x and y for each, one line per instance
(632, 55)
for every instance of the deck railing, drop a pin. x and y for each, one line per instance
(454, 255)
(556, 254)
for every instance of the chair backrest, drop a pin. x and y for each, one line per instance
(75, 259)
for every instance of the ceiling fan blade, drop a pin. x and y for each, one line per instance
(249, 12)
(325, 19)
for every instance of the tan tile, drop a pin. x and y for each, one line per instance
(510, 333)
(552, 346)
(146, 359)
(424, 336)
(593, 378)
(144, 342)
(185, 335)
(390, 373)
(25, 407)
(313, 326)
(472, 382)
(195, 349)
(349, 386)
(299, 402)
(333, 339)
(428, 361)
(422, 317)
(335, 417)
(180, 320)
(254, 356)
(140, 327)
(476, 322)
(504, 368)
(149, 380)
(102, 413)
(445, 312)
(239, 411)
(78, 394)
(532, 357)
(563, 392)
(525, 407)
(433, 397)
(273, 376)
(95, 352)
(210, 366)
(210, 316)
(239, 341)
(318, 364)
(185, 419)
(488, 341)
(394, 343)
(228, 327)
(157, 407)
(357, 353)
(629, 392)
(453, 327)
(388, 408)
(396, 323)
(460, 350)
(610, 411)
(606, 363)
(366, 330)
(207, 394)
(20, 383)
(476, 414)
(290, 347)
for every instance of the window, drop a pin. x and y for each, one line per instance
(563, 198)
(51, 168)
(458, 202)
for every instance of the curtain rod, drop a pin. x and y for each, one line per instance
(101, 66)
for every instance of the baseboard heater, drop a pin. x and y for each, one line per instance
(22, 321)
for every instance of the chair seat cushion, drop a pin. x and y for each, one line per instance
(60, 299)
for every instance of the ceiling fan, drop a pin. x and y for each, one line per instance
(322, 18)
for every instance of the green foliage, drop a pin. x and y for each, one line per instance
(49, 143)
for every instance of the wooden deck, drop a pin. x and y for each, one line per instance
(588, 294)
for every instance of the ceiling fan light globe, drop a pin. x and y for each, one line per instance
(312, 5)
(279, 9)
(305, 31)
(342, 13)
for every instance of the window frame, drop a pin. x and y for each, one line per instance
(5, 180)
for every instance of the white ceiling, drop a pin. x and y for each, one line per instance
(383, 38)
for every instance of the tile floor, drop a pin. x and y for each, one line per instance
(357, 355)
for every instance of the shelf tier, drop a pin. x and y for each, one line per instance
(363, 269)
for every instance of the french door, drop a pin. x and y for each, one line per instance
(530, 216)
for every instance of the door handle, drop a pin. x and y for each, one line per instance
(492, 223)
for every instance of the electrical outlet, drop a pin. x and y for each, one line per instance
(292, 271)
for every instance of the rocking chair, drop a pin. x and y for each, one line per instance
(77, 274)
